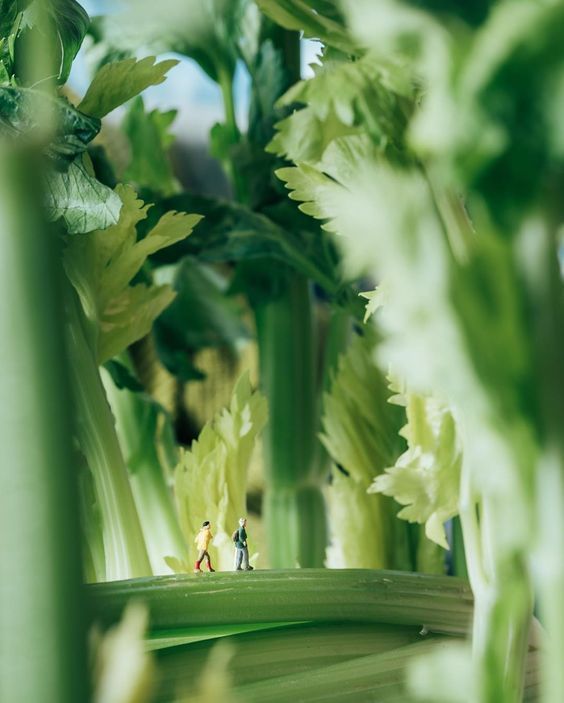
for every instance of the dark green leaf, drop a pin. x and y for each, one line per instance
(122, 376)
(22, 114)
(222, 140)
(200, 316)
(62, 23)
(149, 137)
(8, 14)
(231, 232)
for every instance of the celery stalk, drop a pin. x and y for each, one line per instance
(293, 503)
(42, 648)
(440, 603)
(269, 654)
(377, 677)
(136, 420)
(124, 547)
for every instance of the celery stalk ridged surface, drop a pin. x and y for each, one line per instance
(42, 646)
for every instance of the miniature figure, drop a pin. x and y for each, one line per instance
(203, 538)
(241, 549)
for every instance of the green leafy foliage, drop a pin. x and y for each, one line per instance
(117, 82)
(123, 377)
(102, 265)
(205, 30)
(231, 232)
(360, 433)
(150, 138)
(24, 112)
(210, 481)
(426, 477)
(201, 316)
(368, 92)
(320, 19)
(60, 25)
(8, 14)
(77, 198)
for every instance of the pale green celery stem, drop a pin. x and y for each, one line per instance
(42, 643)
(153, 499)
(124, 547)
(294, 507)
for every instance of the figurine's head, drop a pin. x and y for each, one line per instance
(242, 521)
(206, 523)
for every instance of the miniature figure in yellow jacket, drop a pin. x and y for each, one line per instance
(203, 539)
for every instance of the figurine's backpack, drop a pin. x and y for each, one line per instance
(235, 536)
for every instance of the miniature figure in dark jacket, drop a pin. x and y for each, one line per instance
(241, 549)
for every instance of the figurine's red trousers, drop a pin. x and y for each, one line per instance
(203, 554)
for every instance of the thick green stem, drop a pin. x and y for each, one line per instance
(293, 504)
(126, 555)
(137, 420)
(42, 647)
(440, 603)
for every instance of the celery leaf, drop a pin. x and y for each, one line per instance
(426, 477)
(211, 479)
(102, 265)
(149, 137)
(119, 81)
(82, 202)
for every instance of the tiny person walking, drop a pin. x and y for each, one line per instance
(203, 538)
(241, 549)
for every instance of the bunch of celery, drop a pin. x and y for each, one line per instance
(409, 109)
(435, 105)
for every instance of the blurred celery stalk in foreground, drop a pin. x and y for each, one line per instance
(360, 632)
(42, 652)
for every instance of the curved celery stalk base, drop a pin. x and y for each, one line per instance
(442, 604)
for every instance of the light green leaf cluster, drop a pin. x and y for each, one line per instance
(341, 99)
(358, 422)
(211, 479)
(426, 477)
(117, 82)
(102, 265)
